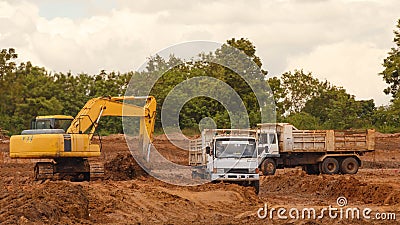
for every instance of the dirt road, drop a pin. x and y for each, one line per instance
(128, 195)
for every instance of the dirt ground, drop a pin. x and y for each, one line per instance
(127, 195)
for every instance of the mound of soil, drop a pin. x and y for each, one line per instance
(332, 187)
(387, 142)
(49, 203)
(149, 201)
(123, 167)
(381, 165)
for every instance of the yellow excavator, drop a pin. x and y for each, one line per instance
(66, 142)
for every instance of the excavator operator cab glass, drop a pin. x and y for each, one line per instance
(51, 123)
(62, 124)
(42, 124)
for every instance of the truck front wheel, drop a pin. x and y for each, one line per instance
(349, 166)
(268, 167)
(256, 185)
(330, 166)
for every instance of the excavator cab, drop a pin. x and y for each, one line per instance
(52, 122)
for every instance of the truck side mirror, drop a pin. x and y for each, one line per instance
(208, 150)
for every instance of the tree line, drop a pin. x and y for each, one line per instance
(299, 98)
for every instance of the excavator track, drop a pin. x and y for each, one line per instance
(96, 170)
(44, 170)
(73, 169)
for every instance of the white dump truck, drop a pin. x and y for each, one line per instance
(228, 155)
(281, 145)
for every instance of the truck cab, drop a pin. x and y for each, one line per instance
(233, 158)
(230, 155)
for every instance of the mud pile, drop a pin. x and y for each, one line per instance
(380, 165)
(172, 152)
(149, 201)
(246, 193)
(123, 167)
(50, 203)
(332, 187)
(387, 142)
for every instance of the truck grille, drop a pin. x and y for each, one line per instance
(238, 171)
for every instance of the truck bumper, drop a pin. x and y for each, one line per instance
(235, 177)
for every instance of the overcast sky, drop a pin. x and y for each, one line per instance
(343, 41)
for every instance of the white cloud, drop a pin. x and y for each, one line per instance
(285, 33)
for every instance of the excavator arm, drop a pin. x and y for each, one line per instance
(88, 118)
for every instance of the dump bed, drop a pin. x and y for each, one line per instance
(293, 140)
(196, 153)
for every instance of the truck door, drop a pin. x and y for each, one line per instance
(263, 144)
(273, 144)
(267, 144)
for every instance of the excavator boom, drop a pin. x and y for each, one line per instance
(94, 109)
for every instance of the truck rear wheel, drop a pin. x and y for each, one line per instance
(330, 166)
(268, 167)
(349, 166)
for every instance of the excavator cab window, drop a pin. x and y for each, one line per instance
(42, 124)
(62, 124)
(51, 123)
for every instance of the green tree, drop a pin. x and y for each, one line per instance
(391, 73)
(303, 120)
(336, 109)
(7, 64)
(28, 91)
(309, 103)
(248, 48)
(294, 89)
(177, 71)
(387, 118)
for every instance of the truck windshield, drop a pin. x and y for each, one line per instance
(235, 148)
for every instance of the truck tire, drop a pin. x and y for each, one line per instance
(349, 166)
(312, 169)
(268, 167)
(330, 166)
(256, 185)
